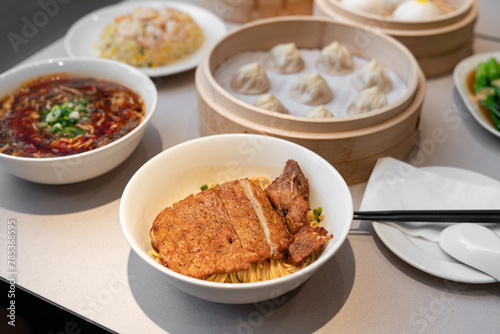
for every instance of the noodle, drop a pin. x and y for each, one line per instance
(261, 181)
(263, 271)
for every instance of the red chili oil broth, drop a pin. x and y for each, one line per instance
(112, 111)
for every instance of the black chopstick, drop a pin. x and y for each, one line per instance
(431, 216)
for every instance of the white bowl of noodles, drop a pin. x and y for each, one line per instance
(84, 165)
(181, 170)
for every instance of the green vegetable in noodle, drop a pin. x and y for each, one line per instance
(317, 213)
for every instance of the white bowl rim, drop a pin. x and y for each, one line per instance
(47, 62)
(325, 256)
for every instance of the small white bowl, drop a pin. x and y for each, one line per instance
(181, 170)
(87, 165)
(461, 75)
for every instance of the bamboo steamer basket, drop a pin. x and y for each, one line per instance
(438, 44)
(351, 144)
(243, 11)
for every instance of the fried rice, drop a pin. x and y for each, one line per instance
(150, 37)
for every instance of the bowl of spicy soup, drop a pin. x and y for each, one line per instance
(68, 120)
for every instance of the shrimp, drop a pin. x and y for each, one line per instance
(152, 37)
(128, 28)
(162, 18)
(145, 13)
(175, 31)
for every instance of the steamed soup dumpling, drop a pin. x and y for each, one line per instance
(368, 100)
(271, 103)
(250, 79)
(372, 74)
(335, 59)
(369, 6)
(319, 112)
(414, 10)
(284, 58)
(311, 89)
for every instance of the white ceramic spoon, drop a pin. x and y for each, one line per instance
(474, 245)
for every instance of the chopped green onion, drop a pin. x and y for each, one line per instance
(204, 187)
(74, 115)
(317, 213)
(64, 116)
(56, 127)
(53, 114)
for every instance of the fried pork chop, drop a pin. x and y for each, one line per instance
(245, 222)
(226, 228)
(219, 230)
(289, 194)
(194, 237)
(274, 230)
(306, 241)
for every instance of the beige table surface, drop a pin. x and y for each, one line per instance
(70, 248)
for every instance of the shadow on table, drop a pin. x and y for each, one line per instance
(29, 25)
(39, 199)
(303, 310)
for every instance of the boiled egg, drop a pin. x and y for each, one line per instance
(369, 6)
(415, 10)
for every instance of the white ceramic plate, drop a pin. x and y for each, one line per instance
(428, 256)
(82, 35)
(462, 70)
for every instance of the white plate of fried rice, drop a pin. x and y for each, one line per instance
(155, 49)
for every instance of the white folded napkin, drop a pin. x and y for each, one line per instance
(396, 185)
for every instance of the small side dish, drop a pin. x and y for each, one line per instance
(61, 115)
(464, 76)
(150, 37)
(486, 89)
